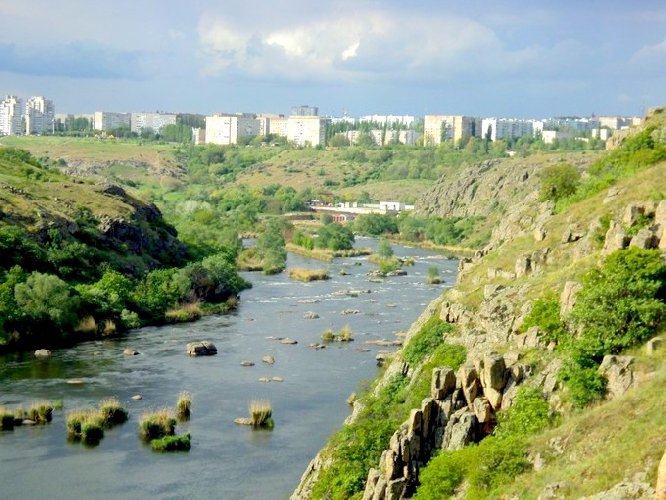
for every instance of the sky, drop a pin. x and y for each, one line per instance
(482, 58)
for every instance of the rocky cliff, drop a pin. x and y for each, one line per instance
(534, 249)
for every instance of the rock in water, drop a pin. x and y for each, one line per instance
(42, 353)
(288, 341)
(130, 352)
(247, 363)
(202, 348)
(269, 360)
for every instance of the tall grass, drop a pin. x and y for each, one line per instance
(261, 413)
(157, 424)
(184, 406)
(303, 274)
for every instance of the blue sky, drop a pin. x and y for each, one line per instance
(510, 58)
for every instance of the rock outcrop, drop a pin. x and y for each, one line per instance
(202, 348)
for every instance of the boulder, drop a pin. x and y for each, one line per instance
(42, 353)
(539, 234)
(288, 341)
(523, 266)
(350, 311)
(572, 233)
(625, 490)
(492, 374)
(137, 397)
(310, 315)
(618, 371)
(490, 291)
(443, 382)
(645, 239)
(130, 352)
(371, 483)
(568, 297)
(654, 344)
(616, 238)
(469, 381)
(202, 348)
(247, 363)
(482, 410)
(460, 430)
(634, 210)
(268, 359)
(277, 379)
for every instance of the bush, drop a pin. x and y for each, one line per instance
(442, 476)
(621, 304)
(545, 315)
(335, 236)
(426, 341)
(585, 384)
(558, 181)
(529, 414)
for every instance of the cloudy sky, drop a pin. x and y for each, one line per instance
(488, 58)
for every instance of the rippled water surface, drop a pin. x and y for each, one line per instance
(226, 460)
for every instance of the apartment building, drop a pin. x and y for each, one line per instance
(105, 120)
(306, 130)
(226, 129)
(11, 115)
(152, 121)
(198, 136)
(304, 110)
(272, 124)
(39, 115)
(506, 128)
(438, 128)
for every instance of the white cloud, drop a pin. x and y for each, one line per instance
(365, 44)
(651, 54)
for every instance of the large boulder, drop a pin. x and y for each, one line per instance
(616, 238)
(202, 348)
(493, 377)
(619, 373)
(645, 239)
(469, 381)
(42, 353)
(443, 383)
(568, 297)
(460, 430)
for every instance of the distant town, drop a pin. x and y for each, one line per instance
(302, 127)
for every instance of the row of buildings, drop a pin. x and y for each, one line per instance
(34, 116)
(440, 128)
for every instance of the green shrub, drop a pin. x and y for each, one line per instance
(585, 384)
(545, 315)
(442, 476)
(529, 414)
(426, 340)
(621, 304)
(558, 181)
(171, 443)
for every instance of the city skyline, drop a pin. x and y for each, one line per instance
(362, 57)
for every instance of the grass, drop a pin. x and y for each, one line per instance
(261, 413)
(157, 424)
(171, 443)
(113, 412)
(343, 335)
(86, 425)
(184, 313)
(6, 420)
(87, 325)
(41, 412)
(605, 444)
(184, 406)
(306, 275)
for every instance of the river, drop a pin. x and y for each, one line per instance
(226, 461)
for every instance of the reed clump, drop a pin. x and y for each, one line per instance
(113, 412)
(157, 424)
(6, 420)
(184, 406)
(40, 413)
(261, 413)
(343, 335)
(306, 275)
(85, 425)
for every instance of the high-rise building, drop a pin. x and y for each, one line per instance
(506, 128)
(11, 114)
(104, 120)
(153, 121)
(228, 128)
(438, 128)
(304, 110)
(39, 115)
(306, 130)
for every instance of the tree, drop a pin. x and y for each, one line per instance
(338, 140)
(335, 236)
(46, 300)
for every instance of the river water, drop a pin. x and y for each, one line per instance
(226, 461)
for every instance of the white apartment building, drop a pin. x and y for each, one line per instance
(198, 136)
(11, 114)
(39, 115)
(272, 124)
(388, 120)
(437, 128)
(225, 129)
(104, 120)
(506, 128)
(306, 130)
(153, 121)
